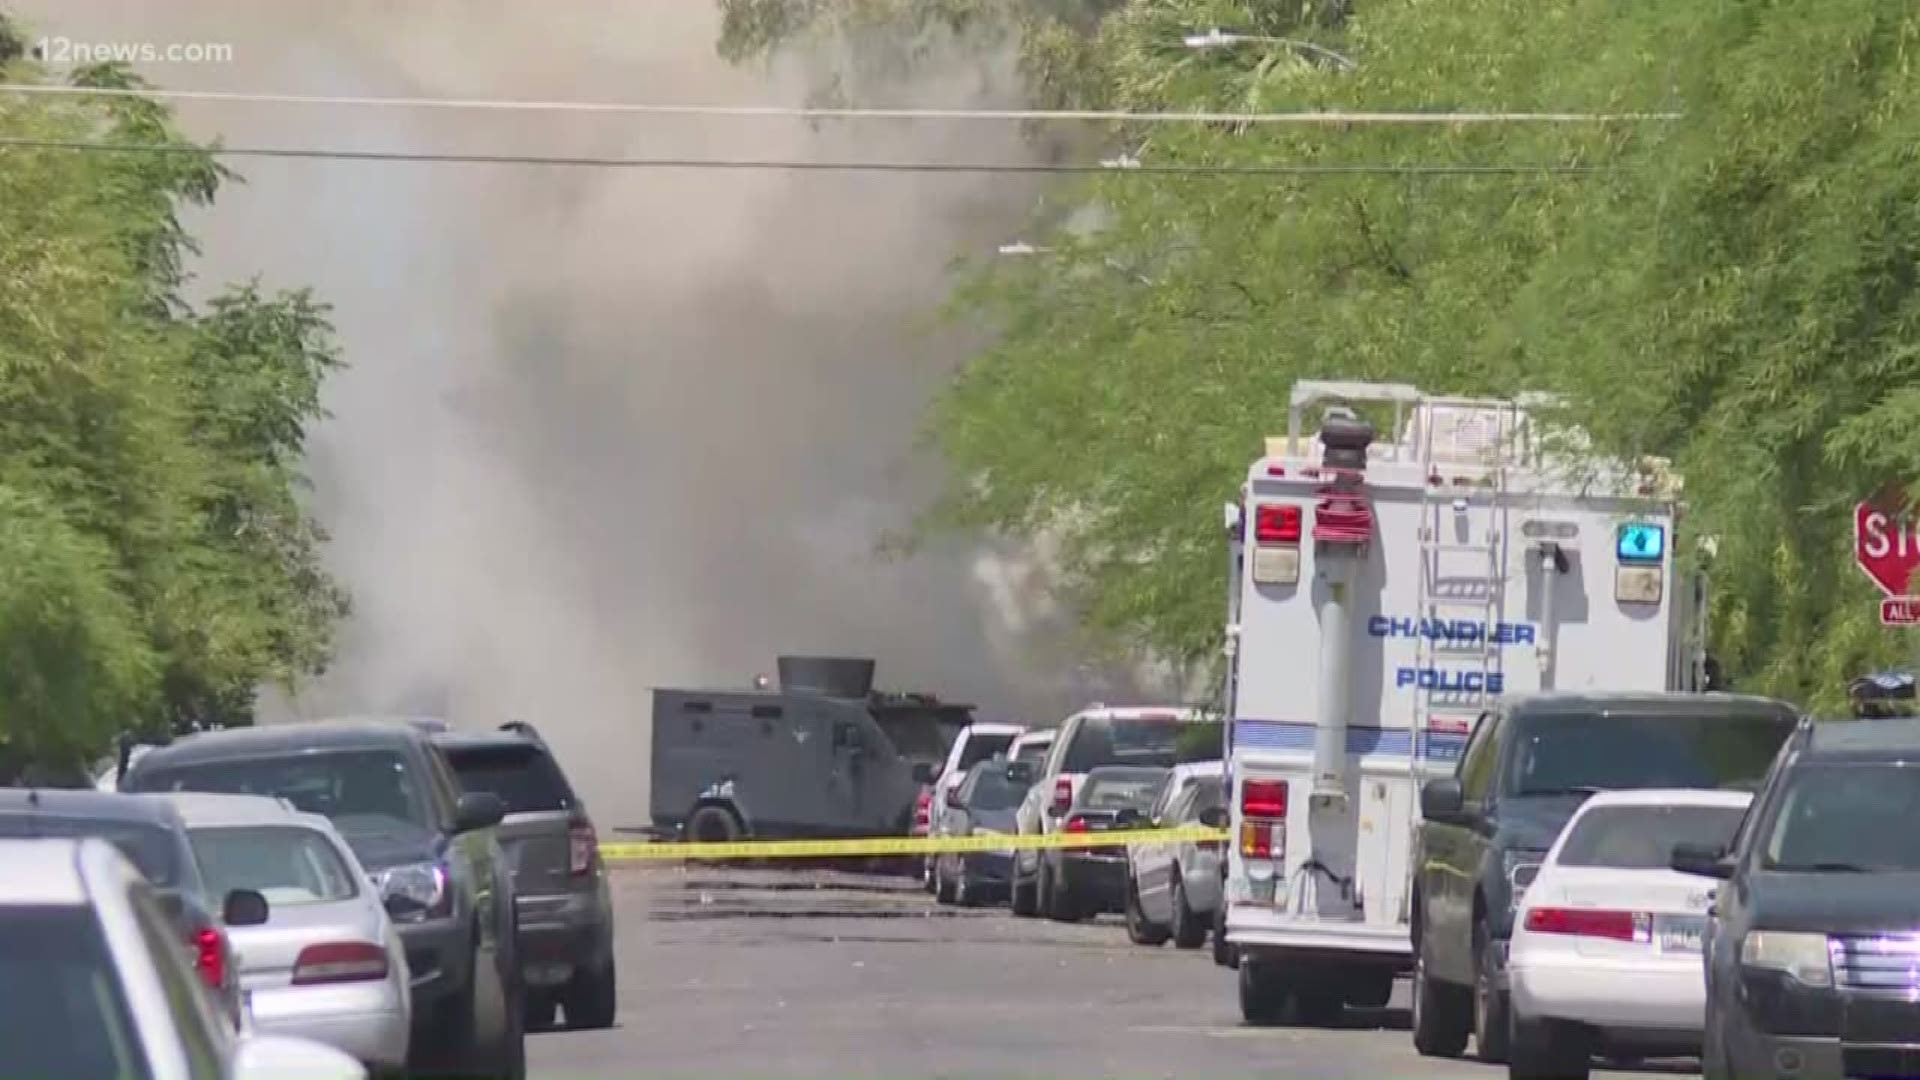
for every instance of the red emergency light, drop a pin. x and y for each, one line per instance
(1277, 523)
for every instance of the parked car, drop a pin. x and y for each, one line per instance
(1032, 746)
(1087, 740)
(1606, 946)
(1173, 887)
(982, 804)
(1813, 943)
(560, 882)
(96, 988)
(151, 834)
(328, 964)
(975, 743)
(432, 851)
(1525, 769)
(1084, 882)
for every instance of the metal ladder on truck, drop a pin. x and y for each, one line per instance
(1463, 561)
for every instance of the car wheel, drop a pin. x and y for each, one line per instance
(1060, 902)
(510, 1057)
(1139, 930)
(593, 999)
(539, 1010)
(1490, 1023)
(1022, 896)
(962, 895)
(942, 887)
(1322, 1003)
(1263, 996)
(1442, 1020)
(1544, 1050)
(1188, 931)
(1222, 952)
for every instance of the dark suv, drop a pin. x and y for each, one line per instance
(1813, 943)
(566, 917)
(430, 849)
(1526, 768)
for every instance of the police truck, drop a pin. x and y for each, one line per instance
(1385, 591)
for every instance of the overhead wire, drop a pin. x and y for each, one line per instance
(1333, 117)
(794, 165)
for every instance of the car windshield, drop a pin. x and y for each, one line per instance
(1846, 818)
(287, 864)
(65, 1013)
(1562, 755)
(1211, 795)
(1121, 791)
(991, 789)
(153, 849)
(1643, 837)
(980, 747)
(1102, 740)
(338, 784)
(1035, 752)
(525, 778)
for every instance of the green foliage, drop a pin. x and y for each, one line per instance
(1736, 291)
(155, 563)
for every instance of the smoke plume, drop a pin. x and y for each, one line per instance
(606, 429)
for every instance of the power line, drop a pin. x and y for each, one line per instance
(745, 164)
(790, 113)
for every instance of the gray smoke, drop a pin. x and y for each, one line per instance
(607, 429)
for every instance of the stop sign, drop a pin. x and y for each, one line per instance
(1886, 546)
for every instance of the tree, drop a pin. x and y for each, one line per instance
(158, 562)
(1734, 291)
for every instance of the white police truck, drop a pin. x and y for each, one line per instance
(1384, 593)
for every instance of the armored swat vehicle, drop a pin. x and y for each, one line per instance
(821, 755)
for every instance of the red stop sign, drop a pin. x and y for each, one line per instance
(1886, 546)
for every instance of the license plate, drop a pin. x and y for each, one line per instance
(1680, 933)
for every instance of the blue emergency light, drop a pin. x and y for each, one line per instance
(1640, 542)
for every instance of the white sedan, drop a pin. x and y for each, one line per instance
(327, 964)
(97, 988)
(1605, 956)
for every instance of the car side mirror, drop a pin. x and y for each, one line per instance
(478, 810)
(953, 800)
(1702, 860)
(1214, 817)
(244, 907)
(1442, 801)
(922, 773)
(266, 1057)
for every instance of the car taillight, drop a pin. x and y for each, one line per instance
(1590, 922)
(582, 848)
(210, 957)
(922, 808)
(1276, 523)
(1076, 823)
(1263, 815)
(338, 962)
(1062, 794)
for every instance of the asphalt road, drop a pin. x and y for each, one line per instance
(729, 974)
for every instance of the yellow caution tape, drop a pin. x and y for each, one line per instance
(902, 845)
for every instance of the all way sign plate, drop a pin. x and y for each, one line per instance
(1900, 611)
